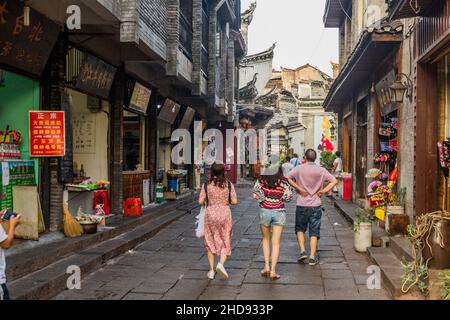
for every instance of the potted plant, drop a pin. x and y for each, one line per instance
(430, 242)
(363, 230)
(327, 159)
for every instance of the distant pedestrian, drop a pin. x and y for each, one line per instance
(309, 181)
(272, 191)
(287, 166)
(218, 194)
(6, 240)
(295, 161)
(337, 168)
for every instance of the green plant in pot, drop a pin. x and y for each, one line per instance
(427, 238)
(363, 230)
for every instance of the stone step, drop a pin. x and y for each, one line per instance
(401, 247)
(49, 281)
(31, 260)
(391, 272)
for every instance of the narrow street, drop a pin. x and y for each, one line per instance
(173, 265)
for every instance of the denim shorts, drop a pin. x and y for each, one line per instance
(270, 217)
(308, 218)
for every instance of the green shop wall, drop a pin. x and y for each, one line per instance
(19, 95)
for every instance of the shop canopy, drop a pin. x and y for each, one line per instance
(372, 49)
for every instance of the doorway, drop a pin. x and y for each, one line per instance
(361, 149)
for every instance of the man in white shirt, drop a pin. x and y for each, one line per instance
(295, 161)
(6, 240)
(287, 166)
(337, 165)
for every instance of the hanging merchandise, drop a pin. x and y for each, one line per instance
(373, 173)
(444, 153)
(392, 180)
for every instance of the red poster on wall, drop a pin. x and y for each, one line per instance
(47, 134)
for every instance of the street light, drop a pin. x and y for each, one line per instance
(399, 90)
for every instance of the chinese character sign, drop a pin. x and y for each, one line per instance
(25, 47)
(47, 134)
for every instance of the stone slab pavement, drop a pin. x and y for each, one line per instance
(173, 265)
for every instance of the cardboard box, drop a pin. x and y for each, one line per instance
(170, 196)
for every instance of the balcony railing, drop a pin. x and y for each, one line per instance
(433, 27)
(186, 37)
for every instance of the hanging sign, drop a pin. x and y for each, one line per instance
(384, 94)
(169, 111)
(140, 98)
(47, 133)
(25, 47)
(96, 76)
(187, 119)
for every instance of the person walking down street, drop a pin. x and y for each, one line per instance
(272, 191)
(337, 167)
(311, 182)
(287, 166)
(218, 194)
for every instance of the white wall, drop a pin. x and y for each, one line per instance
(95, 164)
(264, 71)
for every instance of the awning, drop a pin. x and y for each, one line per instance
(399, 9)
(368, 54)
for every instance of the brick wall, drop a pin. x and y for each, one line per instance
(196, 47)
(129, 26)
(173, 31)
(154, 14)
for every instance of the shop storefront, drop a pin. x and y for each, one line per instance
(24, 52)
(89, 82)
(432, 109)
(136, 173)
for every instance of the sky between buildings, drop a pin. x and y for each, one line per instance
(297, 27)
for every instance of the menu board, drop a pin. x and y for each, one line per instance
(140, 98)
(84, 133)
(169, 111)
(47, 133)
(14, 173)
(25, 48)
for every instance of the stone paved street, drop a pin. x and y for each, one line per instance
(173, 265)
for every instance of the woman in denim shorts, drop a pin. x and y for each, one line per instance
(272, 190)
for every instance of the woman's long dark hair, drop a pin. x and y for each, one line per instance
(218, 175)
(272, 181)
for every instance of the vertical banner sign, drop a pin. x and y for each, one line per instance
(47, 133)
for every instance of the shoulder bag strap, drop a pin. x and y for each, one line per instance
(206, 194)
(229, 192)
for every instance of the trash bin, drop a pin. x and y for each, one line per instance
(172, 185)
(347, 189)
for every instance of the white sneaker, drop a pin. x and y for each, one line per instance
(211, 275)
(221, 271)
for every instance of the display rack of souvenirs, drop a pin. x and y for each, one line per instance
(10, 144)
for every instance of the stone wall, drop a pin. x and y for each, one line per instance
(407, 135)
